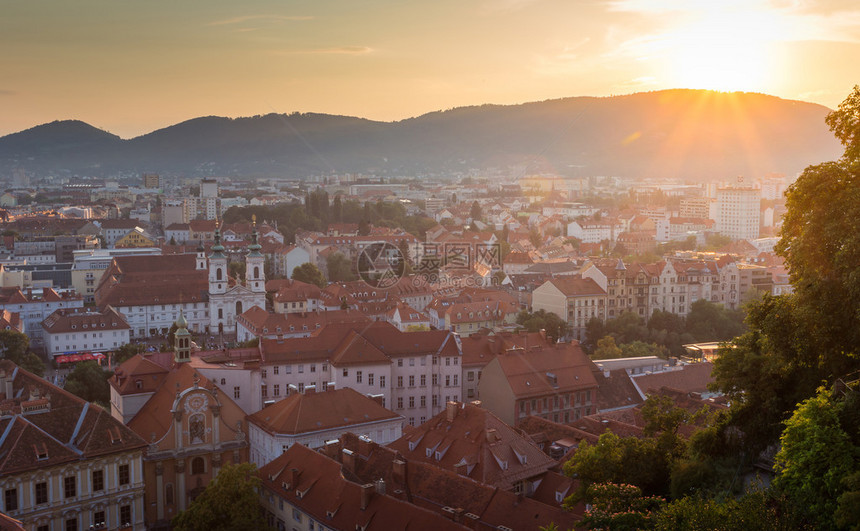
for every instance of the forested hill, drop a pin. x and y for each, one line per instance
(691, 134)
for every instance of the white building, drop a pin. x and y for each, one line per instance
(313, 418)
(72, 330)
(34, 306)
(738, 212)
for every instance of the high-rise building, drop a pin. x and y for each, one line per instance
(151, 180)
(738, 212)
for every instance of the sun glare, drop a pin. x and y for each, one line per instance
(723, 51)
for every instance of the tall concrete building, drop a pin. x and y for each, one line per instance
(738, 212)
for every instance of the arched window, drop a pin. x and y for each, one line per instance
(168, 494)
(238, 307)
(220, 313)
(198, 466)
(197, 428)
(256, 271)
(218, 274)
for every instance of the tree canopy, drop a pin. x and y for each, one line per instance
(230, 502)
(89, 381)
(309, 273)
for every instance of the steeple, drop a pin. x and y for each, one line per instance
(255, 276)
(201, 256)
(182, 341)
(217, 266)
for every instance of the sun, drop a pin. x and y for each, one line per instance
(722, 51)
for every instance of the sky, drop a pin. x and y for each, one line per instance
(134, 66)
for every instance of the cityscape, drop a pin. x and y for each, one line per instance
(565, 302)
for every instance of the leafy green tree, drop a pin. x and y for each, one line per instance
(32, 363)
(756, 510)
(237, 270)
(363, 227)
(475, 211)
(129, 350)
(309, 273)
(638, 349)
(845, 124)
(707, 321)
(621, 508)
(554, 325)
(89, 381)
(816, 455)
(229, 503)
(14, 345)
(606, 349)
(339, 268)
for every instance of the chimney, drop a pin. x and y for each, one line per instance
(458, 514)
(451, 411)
(348, 459)
(366, 494)
(398, 471)
(332, 449)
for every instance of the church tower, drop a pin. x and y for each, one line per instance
(201, 257)
(217, 267)
(255, 276)
(182, 341)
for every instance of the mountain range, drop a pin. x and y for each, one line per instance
(691, 134)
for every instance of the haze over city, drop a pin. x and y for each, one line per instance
(131, 68)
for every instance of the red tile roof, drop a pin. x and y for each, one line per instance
(315, 411)
(65, 320)
(152, 279)
(528, 371)
(473, 442)
(45, 426)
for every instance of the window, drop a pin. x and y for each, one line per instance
(98, 480)
(435, 400)
(399, 381)
(264, 391)
(276, 367)
(71, 524)
(125, 515)
(237, 392)
(168, 494)
(447, 380)
(70, 487)
(198, 466)
(435, 379)
(301, 368)
(345, 373)
(423, 403)
(423, 380)
(370, 379)
(45, 527)
(313, 367)
(400, 362)
(411, 362)
(399, 402)
(297, 516)
(301, 387)
(41, 493)
(411, 402)
(447, 361)
(11, 500)
(412, 381)
(455, 379)
(470, 376)
(357, 376)
(124, 475)
(98, 517)
(382, 382)
(276, 389)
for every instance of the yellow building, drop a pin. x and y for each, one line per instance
(136, 238)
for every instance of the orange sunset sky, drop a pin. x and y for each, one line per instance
(131, 67)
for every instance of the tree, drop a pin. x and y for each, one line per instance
(363, 227)
(339, 268)
(816, 455)
(33, 363)
(845, 124)
(14, 345)
(475, 211)
(553, 325)
(535, 238)
(237, 270)
(230, 502)
(754, 510)
(127, 351)
(310, 274)
(89, 381)
(621, 507)
(606, 349)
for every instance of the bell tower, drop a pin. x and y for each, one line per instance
(255, 276)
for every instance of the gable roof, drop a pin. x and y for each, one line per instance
(316, 411)
(43, 425)
(473, 442)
